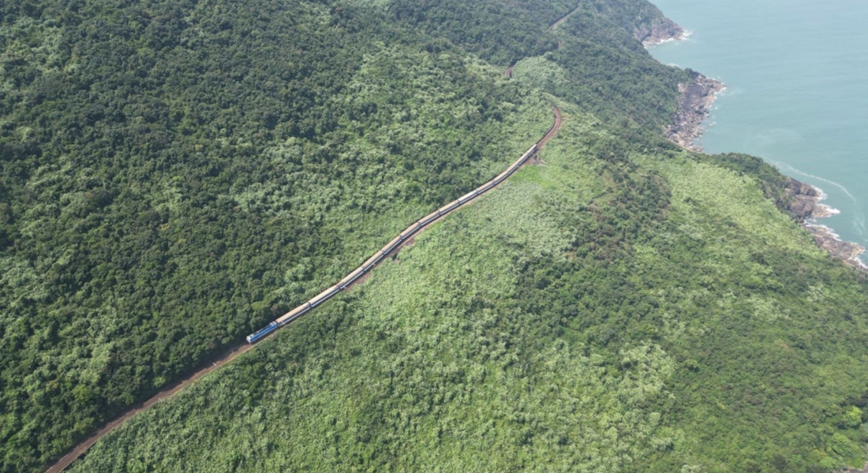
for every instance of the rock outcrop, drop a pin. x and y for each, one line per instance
(694, 106)
(863, 470)
(839, 249)
(804, 199)
(805, 207)
(659, 32)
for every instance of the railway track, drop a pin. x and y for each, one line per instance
(390, 249)
(565, 17)
(552, 27)
(395, 245)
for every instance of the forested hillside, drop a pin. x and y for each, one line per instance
(175, 174)
(598, 64)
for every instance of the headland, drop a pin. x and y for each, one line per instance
(662, 31)
(806, 207)
(694, 107)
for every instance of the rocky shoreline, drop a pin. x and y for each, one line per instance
(697, 96)
(694, 106)
(662, 31)
(806, 207)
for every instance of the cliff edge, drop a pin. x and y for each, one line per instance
(659, 31)
(694, 106)
(806, 208)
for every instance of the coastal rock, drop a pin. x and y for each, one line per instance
(694, 106)
(839, 249)
(659, 32)
(805, 207)
(804, 199)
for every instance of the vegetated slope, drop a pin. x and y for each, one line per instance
(597, 62)
(499, 31)
(608, 72)
(625, 307)
(606, 311)
(175, 174)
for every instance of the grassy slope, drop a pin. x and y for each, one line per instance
(557, 335)
(431, 364)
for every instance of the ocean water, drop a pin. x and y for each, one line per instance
(797, 96)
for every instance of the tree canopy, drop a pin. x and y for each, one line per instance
(173, 175)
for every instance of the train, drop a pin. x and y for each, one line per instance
(389, 248)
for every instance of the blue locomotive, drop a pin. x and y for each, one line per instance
(395, 243)
(256, 336)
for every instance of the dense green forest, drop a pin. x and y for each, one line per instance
(607, 311)
(175, 174)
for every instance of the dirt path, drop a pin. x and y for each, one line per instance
(169, 391)
(564, 18)
(552, 27)
(165, 393)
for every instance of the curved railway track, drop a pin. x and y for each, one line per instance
(391, 248)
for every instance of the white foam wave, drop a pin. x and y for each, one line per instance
(823, 196)
(824, 227)
(828, 211)
(684, 36)
(839, 186)
(859, 223)
(661, 42)
(858, 218)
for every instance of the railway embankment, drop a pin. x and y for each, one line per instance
(409, 233)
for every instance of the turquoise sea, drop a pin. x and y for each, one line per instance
(797, 73)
